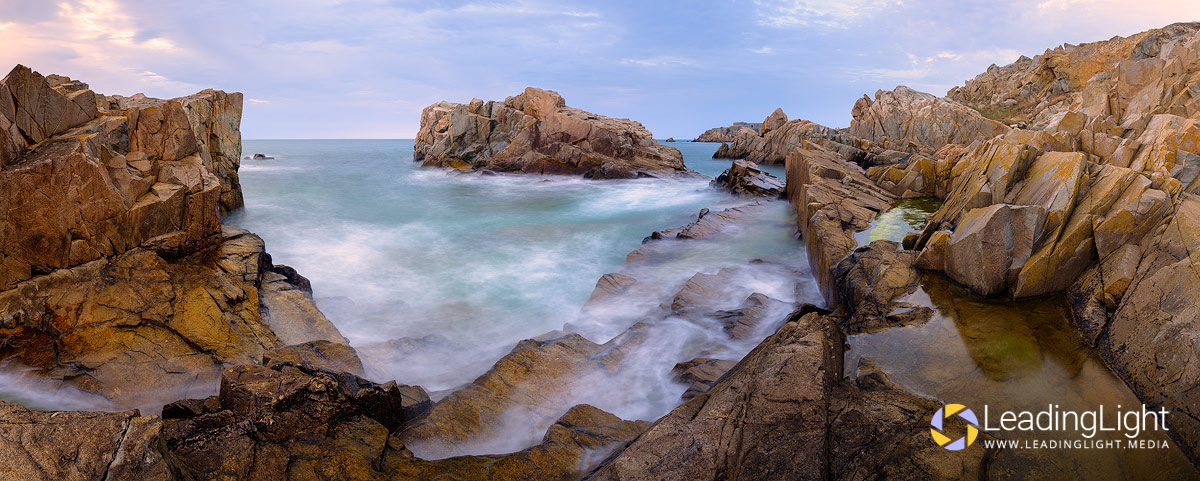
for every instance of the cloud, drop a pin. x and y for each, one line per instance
(258, 101)
(763, 50)
(664, 61)
(828, 13)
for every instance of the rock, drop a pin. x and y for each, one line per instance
(535, 132)
(285, 422)
(833, 200)
(670, 139)
(933, 256)
(728, 134)
(108, 181)
(700, 374)
(79, 445)
(290, 311)
(139, 328)
(610, 286)
(533, 382)
(745, 178)
(904, 114)
(571, 446)
(874, 281)
(773, 121)
(744, 322)
(1150, 339)
(1030, 91)
(992, 244)
(320, 354)
(771, 147)
(783, 413)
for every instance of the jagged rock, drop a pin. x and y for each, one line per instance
(140, 328)
(873, 280)
(773, 121)
(905, 114)
(745, 178)
(79, 446)
(771, 147)
(916, 176)
(106, 180)
(319, 354)
(535, 132)
(728, 134)
(285, 422)
(1032, 90)
(700, 374)
(670, 139)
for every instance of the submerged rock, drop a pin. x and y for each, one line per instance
(535, 132)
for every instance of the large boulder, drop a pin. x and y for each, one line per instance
(991, 245)
(535, 132)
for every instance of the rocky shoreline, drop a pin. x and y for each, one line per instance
(1056, 176)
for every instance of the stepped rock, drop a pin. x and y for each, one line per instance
(535, 132)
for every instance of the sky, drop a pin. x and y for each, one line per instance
(366, 68)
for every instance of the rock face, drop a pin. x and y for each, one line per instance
(728, 134)
(535, 132)
(745, 178)
(116, 275)
(79, 446)
(906, 115)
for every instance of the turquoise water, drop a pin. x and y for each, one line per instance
(462, 266)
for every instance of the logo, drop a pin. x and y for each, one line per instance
(964, 414)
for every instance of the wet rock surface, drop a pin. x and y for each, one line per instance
(535, 132)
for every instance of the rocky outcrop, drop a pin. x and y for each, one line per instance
(728, 134)
(902, 116)
(116, 276)
(776, 139)
(745, 178)
(535, 132)
(833, 199)
(1028, 92)
(141, 328)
